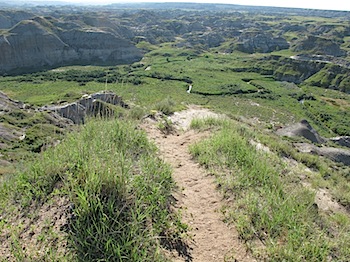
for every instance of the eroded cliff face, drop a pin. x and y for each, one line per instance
(251, 42)
(28, 45)
(320, 46)
(98, 46)
(39, 43)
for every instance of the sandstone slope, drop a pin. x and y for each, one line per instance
(41, 43)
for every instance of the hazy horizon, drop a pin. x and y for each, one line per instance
(328, 5)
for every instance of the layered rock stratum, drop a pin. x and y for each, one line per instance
(42, 43)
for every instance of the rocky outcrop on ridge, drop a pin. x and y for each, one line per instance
(37, 44)
(301, 129)
(89, 105)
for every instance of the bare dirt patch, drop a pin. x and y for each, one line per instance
(182, 120)
(323, 198)
(38, 236)
(197, 198)
(325, 202)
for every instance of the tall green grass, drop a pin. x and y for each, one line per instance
(119, 189)
(275, 217)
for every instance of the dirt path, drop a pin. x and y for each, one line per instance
(199, 200)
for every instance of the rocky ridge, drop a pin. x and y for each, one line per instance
(89, 105)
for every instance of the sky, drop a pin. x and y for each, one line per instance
(314, 4)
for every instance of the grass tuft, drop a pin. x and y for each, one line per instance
(166, 106)
(204, 123)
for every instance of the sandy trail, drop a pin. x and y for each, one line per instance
(198, 199)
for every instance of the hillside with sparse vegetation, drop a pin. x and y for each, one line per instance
(84, 175)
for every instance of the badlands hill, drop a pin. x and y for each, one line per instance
(312, 52)
(41, 43)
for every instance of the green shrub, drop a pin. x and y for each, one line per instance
(136, 113)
